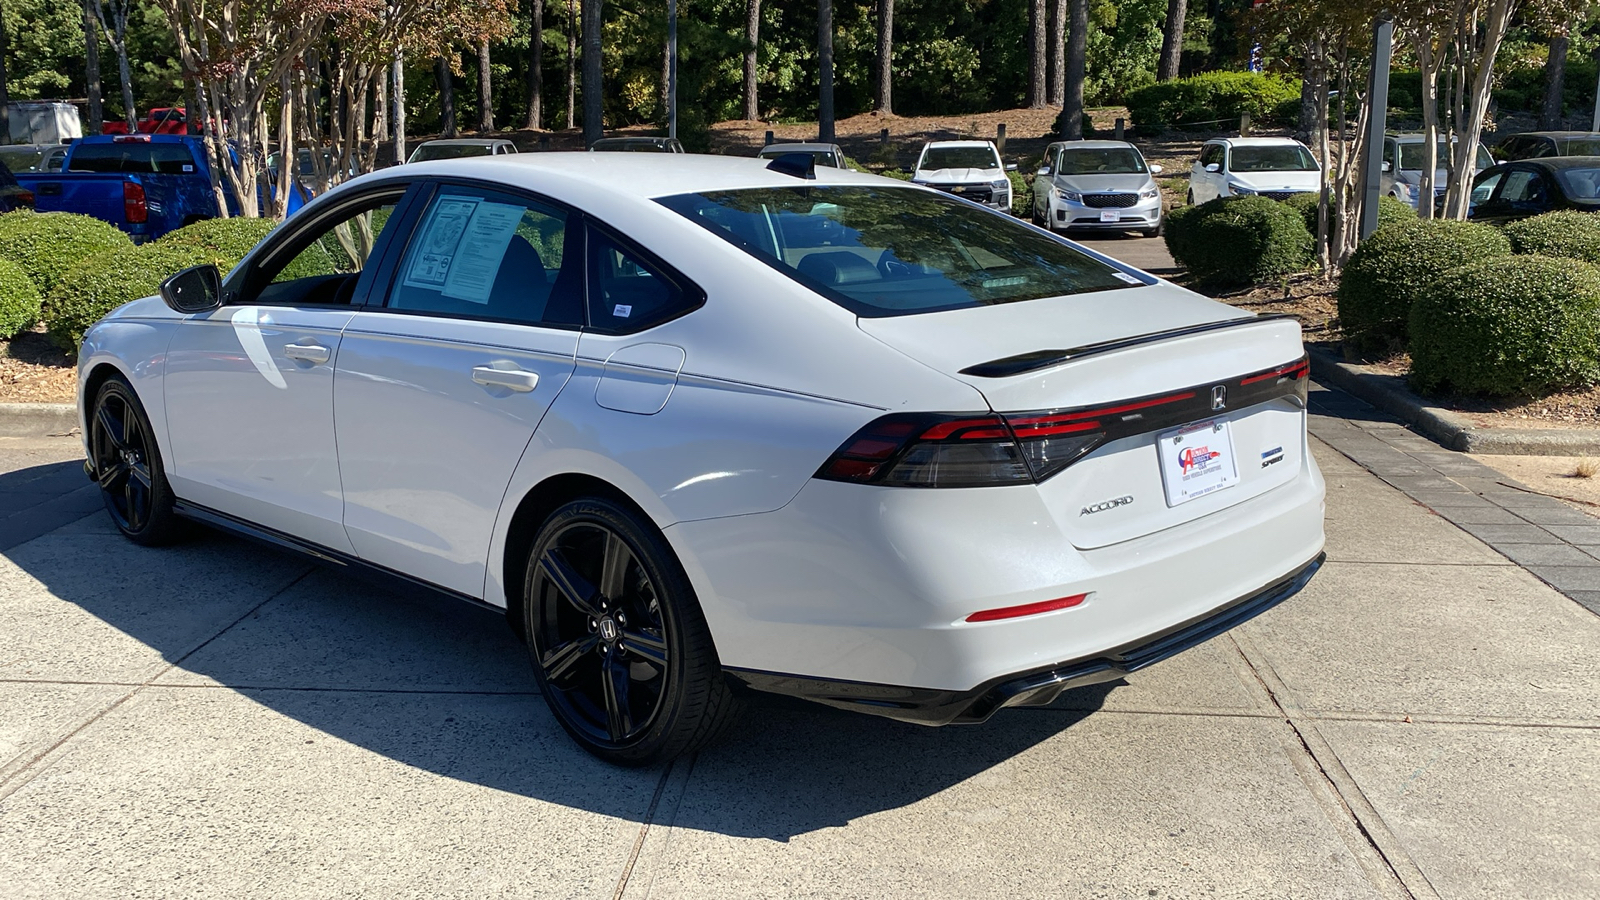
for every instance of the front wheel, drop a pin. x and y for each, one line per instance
(127, 466)
(620, 646)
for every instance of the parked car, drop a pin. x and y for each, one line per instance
(830, 155)
(1403, 161)
(1099, 185)
(160, 120)
(1270, 166)
(12, 194)
(33, 157)
(455, 148)
(1517, 190)
(969, 169)
(637, 145)
(698, 424)
(145, 184)
(1541, 144)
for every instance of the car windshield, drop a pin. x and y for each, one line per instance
(959, 158)
(821, 157)
(1585, 146)
(448, 151)
(21, 159)
(1115, 161)
(891, 251)
(1273, 158)
(133, 157)
(630, 146)
(1411, 157)
(1580, 184)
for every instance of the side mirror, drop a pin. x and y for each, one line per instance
(1043, 171)
(1388, 166)
(194, 290)
(1011, 167)
(1213, 167)
(1155, 169)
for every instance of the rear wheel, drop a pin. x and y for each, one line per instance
(127, 465)
(619, 644)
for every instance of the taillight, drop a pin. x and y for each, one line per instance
(972, 450)
(25, 198)
(134, 210)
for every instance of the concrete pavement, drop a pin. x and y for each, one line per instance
(222, 720)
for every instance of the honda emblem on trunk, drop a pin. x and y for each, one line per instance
(1219, 397)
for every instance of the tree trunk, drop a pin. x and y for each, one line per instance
(289, 157)
(535, 66)
(91, 52)
(1555, 76)
(5, 87)
(825, 61)
(1172, 41)
(1468, 128)
(572, 62)
(883, 102)
(485, 90)
(593, 96)
(447, 97)
(399, 76)
(1037, 28)
(1057, 88)
(752, 36)
(1077, 53)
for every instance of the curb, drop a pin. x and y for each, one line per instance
(1390, 394)
(37, 419)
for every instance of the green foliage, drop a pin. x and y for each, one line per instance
(1239, 240)
(898, 174)
(48, 245)
(1524, 325)
(1567, 233)
(228, 239)
(1390, 210)
(1021, 195)
(1208, 98)
(105, 281)
(19, 300)
(1390, 269)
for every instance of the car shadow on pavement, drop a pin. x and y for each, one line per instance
(446, 688)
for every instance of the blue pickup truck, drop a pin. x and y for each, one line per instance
(145, 184)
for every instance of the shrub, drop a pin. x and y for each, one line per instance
(1390, 210)
(1021, 195)
(1507, 327)
(1241, 240)
(1178, 231)
(1567, 233)
(19, 300)
(105, 281)
(229, 239)
(48, 245)
(1390, 269)
(1212, 97)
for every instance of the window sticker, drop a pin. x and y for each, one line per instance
(436, 249)
(621, 311)
(187, 167)
(481, 250)
(1128, 278)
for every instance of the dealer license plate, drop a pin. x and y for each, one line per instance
(1197, 460)
(1110, 215)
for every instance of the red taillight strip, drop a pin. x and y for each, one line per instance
(1298, 369)
(1027, 609)
(988, 428)
(1100, 411)
(1032, 431)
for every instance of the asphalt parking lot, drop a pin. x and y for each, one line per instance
(219, 719)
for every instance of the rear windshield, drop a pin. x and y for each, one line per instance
(1118, 161)
(1411, 156)
(1580, 147)
(449, 151)
(1580, 184)
(133, 157)
(1281, 158)
(892, 251)
(820, 157)
(959, 158)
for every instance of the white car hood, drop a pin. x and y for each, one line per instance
(958, 176)
(1278, 181)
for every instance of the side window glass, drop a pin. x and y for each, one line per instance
(1517, 188)
(490, 256)
(320, 264)
(1388, 153)
(1482, 192)
(626, 293)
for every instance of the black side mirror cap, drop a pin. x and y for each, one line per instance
(194, 290)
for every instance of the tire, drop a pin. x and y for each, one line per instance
(128, 467)
(607, 606)
(1156, 231)
(1191, 197)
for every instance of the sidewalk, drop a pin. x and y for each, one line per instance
(221, 720)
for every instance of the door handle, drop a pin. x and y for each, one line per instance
(312, 353)
(515, 379)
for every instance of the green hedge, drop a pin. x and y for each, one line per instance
(1518, 326)
(1567, 233)
(1239, 240)
(1390, 210)
(229, 239)
(48, 245)
(19, 300)
(1390, 269)
(104, 282)
(1212, 96)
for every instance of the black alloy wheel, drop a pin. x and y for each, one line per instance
(127, 466)
(619, 644)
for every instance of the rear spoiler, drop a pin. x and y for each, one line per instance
(1044, 359)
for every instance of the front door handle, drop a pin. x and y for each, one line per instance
(311, 353)
(515, 379)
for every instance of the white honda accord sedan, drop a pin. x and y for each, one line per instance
(700, 425)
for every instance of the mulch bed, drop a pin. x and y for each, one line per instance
(34, 370)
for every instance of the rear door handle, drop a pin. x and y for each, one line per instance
(312, 353)
(515, 379)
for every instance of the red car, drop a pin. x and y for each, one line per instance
(161, 120)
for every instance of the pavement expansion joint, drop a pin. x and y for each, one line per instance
(685, 765)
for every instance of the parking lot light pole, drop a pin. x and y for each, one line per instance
(672, 69)
(1377, 124)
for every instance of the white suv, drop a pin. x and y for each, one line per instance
(1270, 166)
(970, 169)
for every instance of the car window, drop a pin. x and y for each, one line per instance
(1273, 158)
(627, 293)
(1388, 152)
(934, 158)
(134, 157)
(488, 255)
(1485, 189)
(1210, 153)
(1522, 186)
(318, 262)
(1581, 184)
(1585, 146)
(1115, 161)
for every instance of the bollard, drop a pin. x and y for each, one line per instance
(544, 142)
(769, 140)
(1119, 129)
(883, 137)
(1244, 124)
(1000, 138)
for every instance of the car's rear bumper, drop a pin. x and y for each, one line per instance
(1035, 687)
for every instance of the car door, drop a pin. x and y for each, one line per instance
(1524, 192)
(1210, 179)
(444, 375)
(249, 386)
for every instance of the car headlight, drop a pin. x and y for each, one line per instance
(1070, 196)
(1240, 190)
(1150, 194)
(1003, 184)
